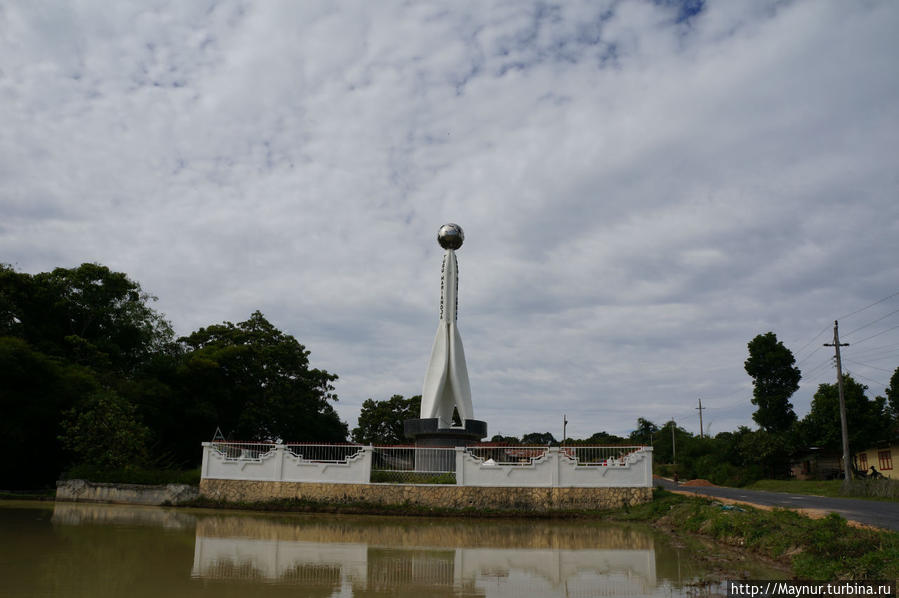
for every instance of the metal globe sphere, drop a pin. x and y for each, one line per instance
(450, 236)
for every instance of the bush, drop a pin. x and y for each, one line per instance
(105, 432)
(412, 477)
(882, 488)
(133, 475)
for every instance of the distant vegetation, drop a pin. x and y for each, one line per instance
(93, 379)
(745, 455)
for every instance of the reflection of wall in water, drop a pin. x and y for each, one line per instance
(272, 560)
(437, 570)
(431, 570)
(69, 513)
(486, 533)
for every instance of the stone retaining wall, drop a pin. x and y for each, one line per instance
(439, 496)
(131, 494)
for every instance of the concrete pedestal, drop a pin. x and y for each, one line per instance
(427, 434)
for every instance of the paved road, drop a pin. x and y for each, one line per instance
(870, 512)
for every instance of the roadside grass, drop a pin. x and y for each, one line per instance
(825, 549)
(885, 490)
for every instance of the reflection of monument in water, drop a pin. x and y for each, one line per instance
(490, 559)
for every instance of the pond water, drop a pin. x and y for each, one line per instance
(69, 549)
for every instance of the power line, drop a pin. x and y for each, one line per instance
(843, 317)
(883, 348)
(819, 366)
(869, 379)
(809, 355)
(868, 366)
(873, 322)
(810, 342)
(858, 311)
(867, 338)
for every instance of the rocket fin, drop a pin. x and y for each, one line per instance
(435, 377)
(458, 374)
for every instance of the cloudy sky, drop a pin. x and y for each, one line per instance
(644, 186)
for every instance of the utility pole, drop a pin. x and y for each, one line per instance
(673, 445)
(836, 345)
(564, 427)
(700, 416)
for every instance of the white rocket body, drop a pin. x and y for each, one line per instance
(446, 380)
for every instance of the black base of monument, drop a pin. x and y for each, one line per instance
(427, 434)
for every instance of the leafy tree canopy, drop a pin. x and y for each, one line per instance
(866, 419)
(104, 432)
(381, 422)
(258, 381)
(892, 395)
(510, 440)
(88, 314)
(34, 390)
(539, 438)
(775, 379)
(645, 432)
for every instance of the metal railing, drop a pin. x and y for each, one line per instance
(507, 455)
(599, 456)
(419, 465)
(324, 453)
(586, 456)
(243, 451)
(413, 465)
(312, 452)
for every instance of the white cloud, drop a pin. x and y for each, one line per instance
(641, 196)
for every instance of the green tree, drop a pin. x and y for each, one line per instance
(104, 432)
(89, 315)
(768, 451)
(892, 396)
(510, 440)
(35, 389)
(256, 384)
(866, 419)
(775, 379)
(645, 432)
(381, 422)
(604, 438)
(539, 438)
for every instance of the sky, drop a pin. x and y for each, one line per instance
(644, 186)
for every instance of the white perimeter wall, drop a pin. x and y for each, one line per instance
(557, 469)
(280, 465)
(553, 470)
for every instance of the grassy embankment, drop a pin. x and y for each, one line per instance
(887, 490)
(825, 549)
